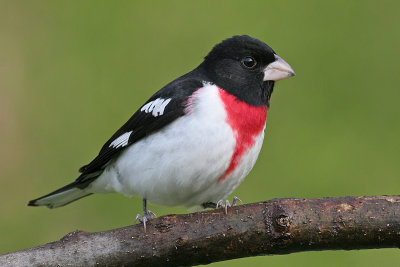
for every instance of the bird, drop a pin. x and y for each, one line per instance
(195, 140)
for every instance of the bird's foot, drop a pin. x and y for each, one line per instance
(147, 216)
(221, 204)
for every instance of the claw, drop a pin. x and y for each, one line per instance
(227, 204)
(138, 218)
(235, 201)
(147, 215)
(145, 218)
(221, 204)
(151, 214)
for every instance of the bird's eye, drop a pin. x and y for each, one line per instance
(249, 62)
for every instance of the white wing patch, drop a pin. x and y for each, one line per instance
(156, 107)
(121, 141)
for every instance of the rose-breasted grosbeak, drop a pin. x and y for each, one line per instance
(193, 142)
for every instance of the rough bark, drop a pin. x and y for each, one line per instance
(278, 226)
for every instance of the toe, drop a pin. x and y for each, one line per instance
(227, 204)
(236, 200)
(151, 214)
(220, 203)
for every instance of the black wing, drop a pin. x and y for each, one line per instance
(160, 110)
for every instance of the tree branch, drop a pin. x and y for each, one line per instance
(278, 226)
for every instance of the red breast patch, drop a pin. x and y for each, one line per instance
(246, 121)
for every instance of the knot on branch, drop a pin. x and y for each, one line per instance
(278, 221)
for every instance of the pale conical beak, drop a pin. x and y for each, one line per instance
(278, 70)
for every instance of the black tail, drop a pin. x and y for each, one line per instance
(62, 196)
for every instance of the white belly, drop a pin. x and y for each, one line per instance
(181, 164)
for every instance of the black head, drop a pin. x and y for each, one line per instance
(239, 65)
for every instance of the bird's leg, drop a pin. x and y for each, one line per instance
(220, 203)
(147, 215)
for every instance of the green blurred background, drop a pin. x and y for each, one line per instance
(71, 72)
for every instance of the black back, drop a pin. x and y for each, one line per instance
(223, 66)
